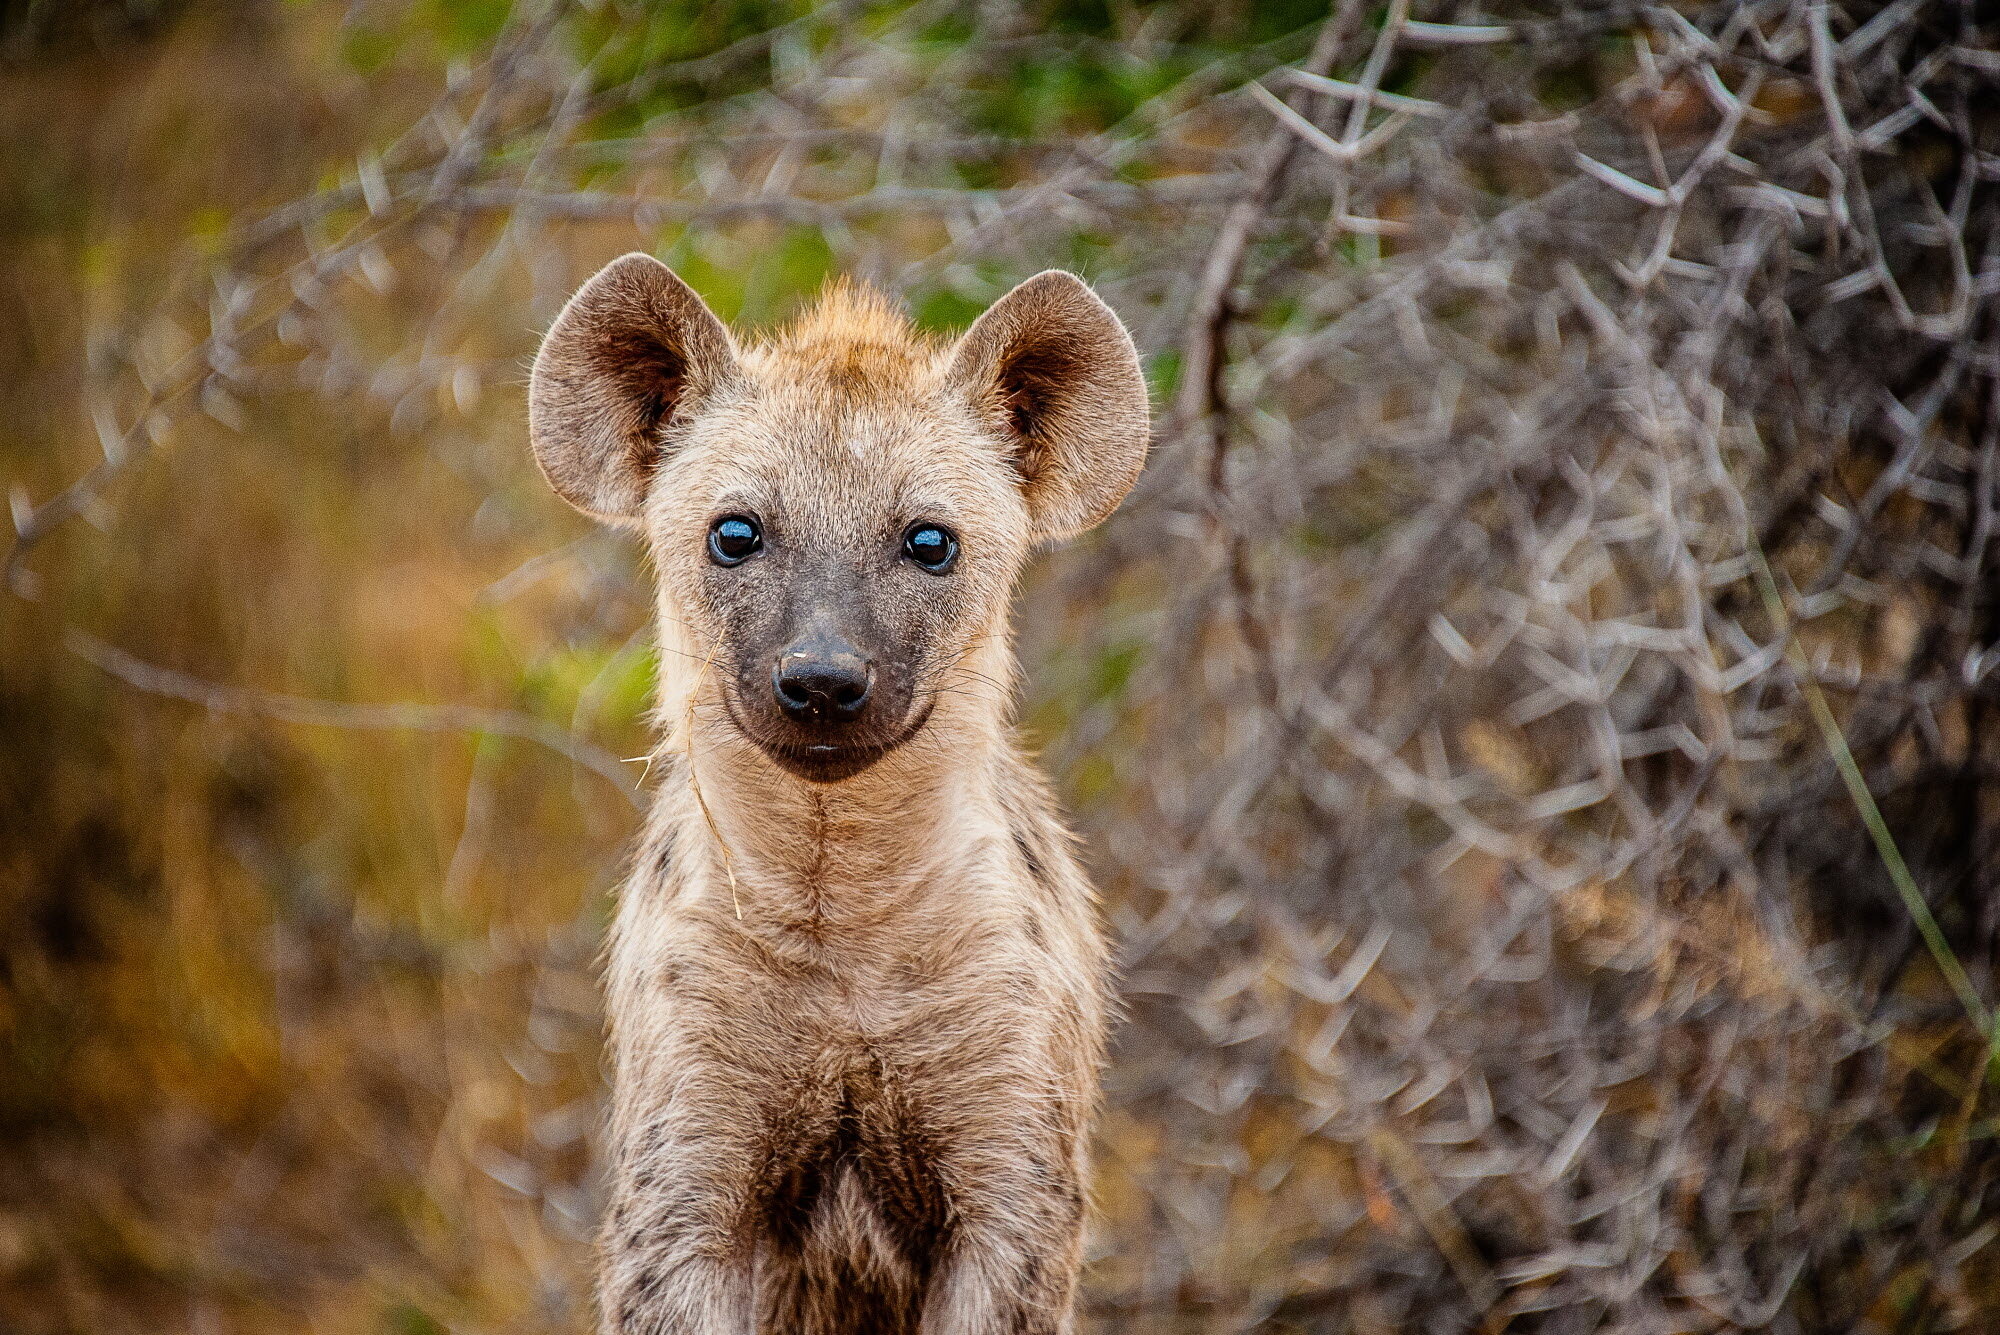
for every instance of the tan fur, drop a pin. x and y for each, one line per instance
(856, 1024)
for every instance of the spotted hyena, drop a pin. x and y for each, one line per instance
(857, 985)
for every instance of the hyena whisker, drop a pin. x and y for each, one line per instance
(947, 692)
(683, 653)
(691, 628)
(997, 685)
(953, 671)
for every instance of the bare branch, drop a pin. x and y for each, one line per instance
(402, 717)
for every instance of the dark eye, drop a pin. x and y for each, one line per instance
(733, 540)
(931, 547)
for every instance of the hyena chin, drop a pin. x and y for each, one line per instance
(857, 986)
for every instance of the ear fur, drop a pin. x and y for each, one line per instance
(633, 347)
(1055, 374)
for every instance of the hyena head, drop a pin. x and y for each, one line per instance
(837, 514)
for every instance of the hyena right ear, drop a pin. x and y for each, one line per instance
(1055, 376)
(634, 347)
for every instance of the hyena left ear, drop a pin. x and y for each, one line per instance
(1055, 374)
(634, 350)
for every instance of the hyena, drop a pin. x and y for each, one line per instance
(857, 986)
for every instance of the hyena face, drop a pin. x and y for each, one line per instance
(837, 554)
(838, 515)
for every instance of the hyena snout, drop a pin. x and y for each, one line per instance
(826, 703)
(823, 682)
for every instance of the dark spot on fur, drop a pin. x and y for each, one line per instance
(1028, 855)
(794, 1200)
(898, 1166)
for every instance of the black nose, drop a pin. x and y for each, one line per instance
(822, 686)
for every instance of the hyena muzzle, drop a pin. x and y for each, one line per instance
(858, 990)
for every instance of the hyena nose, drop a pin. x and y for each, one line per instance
(821, 686)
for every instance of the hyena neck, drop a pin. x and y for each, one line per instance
(767, 844)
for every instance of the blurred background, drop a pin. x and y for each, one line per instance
(1534, 725)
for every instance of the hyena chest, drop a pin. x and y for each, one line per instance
(856, 1163)
(860, 1078)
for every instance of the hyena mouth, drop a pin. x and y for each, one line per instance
(818, 758)
(822, 762)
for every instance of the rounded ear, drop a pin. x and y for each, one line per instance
(1055, 374)
(633, 348)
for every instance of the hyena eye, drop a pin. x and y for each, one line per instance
(733, 539)
(931, 547)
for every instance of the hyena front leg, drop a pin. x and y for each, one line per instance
(1015, 1250)
(990, 1284)
(676, 1256)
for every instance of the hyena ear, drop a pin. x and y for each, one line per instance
(633, 348)
(1055, 374)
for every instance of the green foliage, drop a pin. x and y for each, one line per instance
(643, 45)
(465, 27)
(942, 309)
(367, 49)
(409, 1319)
(1083, 91)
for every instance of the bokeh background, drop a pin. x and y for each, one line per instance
(1534, 725)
